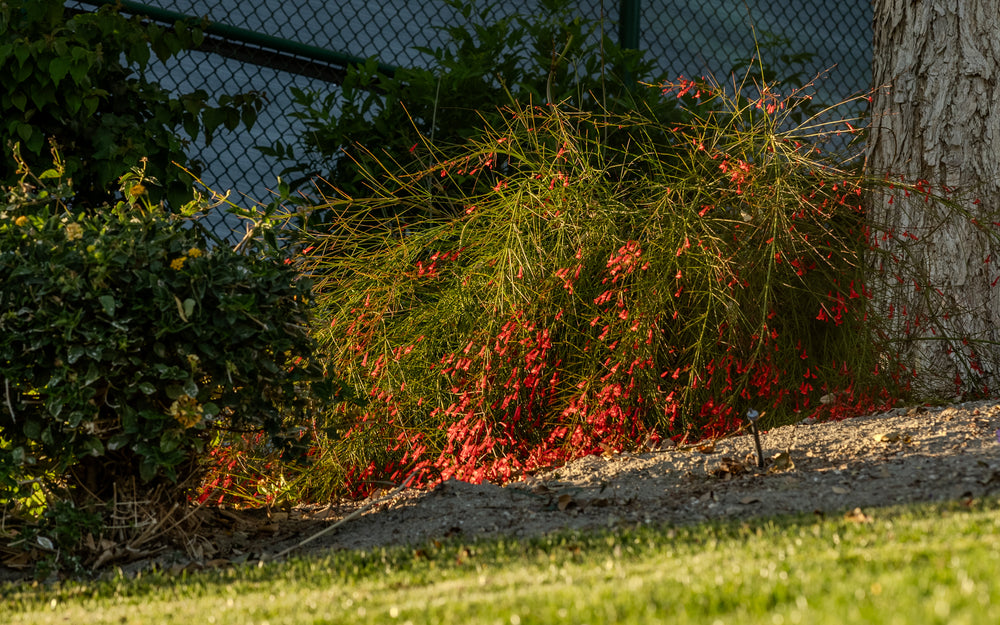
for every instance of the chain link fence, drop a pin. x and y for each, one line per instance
(271, 46)
(702, 37)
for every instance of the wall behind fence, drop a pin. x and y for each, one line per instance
(681, 37)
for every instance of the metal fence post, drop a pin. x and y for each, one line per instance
(628, 25)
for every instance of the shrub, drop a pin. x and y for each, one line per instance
(129, 339)
(601, 293)
(81, 77)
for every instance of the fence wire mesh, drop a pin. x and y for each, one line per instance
(680, 37)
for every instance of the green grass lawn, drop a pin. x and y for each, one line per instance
(919, 564)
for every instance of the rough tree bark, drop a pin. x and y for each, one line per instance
(936, 123)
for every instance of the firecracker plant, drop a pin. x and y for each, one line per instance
(618, 282)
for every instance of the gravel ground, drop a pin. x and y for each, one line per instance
(901, 456)
(842, 467)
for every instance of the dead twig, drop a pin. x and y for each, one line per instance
(353, 515)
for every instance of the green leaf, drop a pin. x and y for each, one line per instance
(73, 102)
(191, 126)
(21, 53)
(79, 73)
(94, 352)
(108, 303)
(249, 116)
(130, 420)
(94, 446)
(90, 105)
(93, 374)
(58, 68)
(147, 388)
(147, 469)
(57, 376)
(75, 418)
(118, 441)
(19, 100)
(170, 441)
(25, 131)
(139, 53)
(33, 141)
(271, 239)
(42, 96)
(174, 391)
(73, 353)
(54, 405)
(189, 308)
(32, 430)
(211, 119)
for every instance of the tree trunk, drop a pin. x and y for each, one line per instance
(936, 124)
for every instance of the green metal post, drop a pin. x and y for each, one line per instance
(628, 25)
(628, 31)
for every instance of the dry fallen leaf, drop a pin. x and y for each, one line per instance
(840, 490)
(707, 448)
(886, 437)
(22, 560)
(565, 501)
(106, 556)
(729, 467)
(857, 516)
(782, 461)
(749, 500)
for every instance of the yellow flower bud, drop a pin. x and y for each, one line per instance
(187, 411)
(74, 231)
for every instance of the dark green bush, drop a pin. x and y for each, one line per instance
(129, 338)
(80, 78)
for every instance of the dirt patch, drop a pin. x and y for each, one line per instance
(901, 456)
(905, 455)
